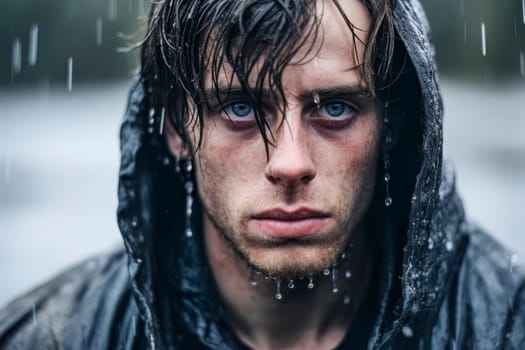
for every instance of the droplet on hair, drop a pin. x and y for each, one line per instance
(326, 272)
(388, 201)
(291, 284)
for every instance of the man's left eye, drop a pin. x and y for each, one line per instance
(335, 110)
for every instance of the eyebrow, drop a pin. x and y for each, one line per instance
(223, 92)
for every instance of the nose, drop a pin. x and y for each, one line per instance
(290, 160)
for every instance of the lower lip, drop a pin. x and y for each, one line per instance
(290, 228)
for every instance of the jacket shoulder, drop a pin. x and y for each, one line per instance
(485, 306)
(75, 309)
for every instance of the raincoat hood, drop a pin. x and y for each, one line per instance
(170, 272)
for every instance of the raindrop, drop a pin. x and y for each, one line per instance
(34, 315)
(388, 201)
(407, 331)
(278, 294)
(98, 31)
(33, 45)
(326, 272)
(253, 282)
(141, 8)
(430, 243)
(161, 127)
(515, 29)
(465, 33)
(523, 10)
(334, 279)
(69, 73)
(483, 39)
(462, 8)
(291, 284)
(522, 63)
(112, 13)
(449, 246)
(348, 274)
(16, 58)
(310, 282)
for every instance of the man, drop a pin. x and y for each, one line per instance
(281, 187)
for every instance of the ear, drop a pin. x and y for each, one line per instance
(174, 140)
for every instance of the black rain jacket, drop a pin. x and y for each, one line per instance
(441, 283)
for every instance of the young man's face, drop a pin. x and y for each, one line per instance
(294, 212)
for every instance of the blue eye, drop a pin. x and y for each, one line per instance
(335, 109)
(239, 110)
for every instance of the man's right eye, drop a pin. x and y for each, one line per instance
(240, 110)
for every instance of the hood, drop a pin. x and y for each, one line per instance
(168, 271)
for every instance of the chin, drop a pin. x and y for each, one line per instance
(291, 260)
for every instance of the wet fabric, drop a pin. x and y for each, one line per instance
(441, 282)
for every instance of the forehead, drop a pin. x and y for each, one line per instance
(335, 52)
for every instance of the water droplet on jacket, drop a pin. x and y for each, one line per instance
(291, 284)
(407, 331)
(326, 272)
(449, 246)
(348, 274)
(388, 201)
(310, 282)
(278, 294)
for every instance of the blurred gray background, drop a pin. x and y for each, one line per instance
(64, 77)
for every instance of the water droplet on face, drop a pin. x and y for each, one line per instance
(317, 101)
(253, 283)
(33, 45)
(310, 282)
(335, 289)
(278, 294)
(407, 331)
(69, 74)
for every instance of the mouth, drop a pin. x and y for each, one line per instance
(286, 224)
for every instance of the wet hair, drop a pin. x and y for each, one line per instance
(187, 38)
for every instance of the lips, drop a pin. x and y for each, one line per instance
(280, 223)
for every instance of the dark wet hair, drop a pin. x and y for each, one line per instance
(185, 38)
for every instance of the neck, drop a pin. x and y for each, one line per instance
(304, 317)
